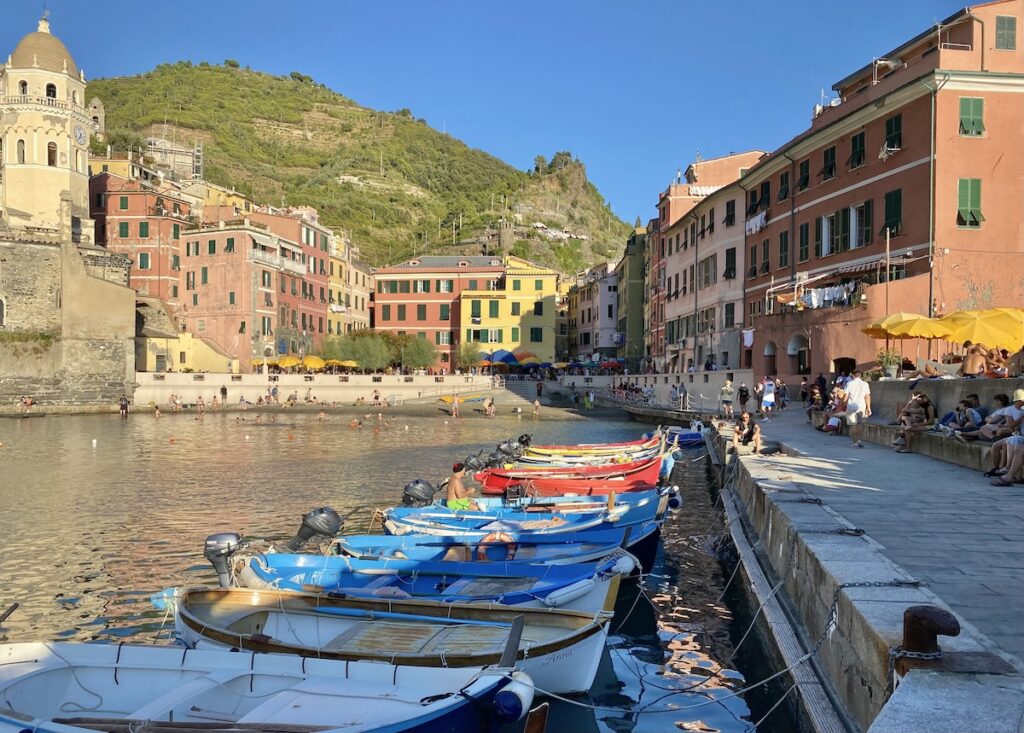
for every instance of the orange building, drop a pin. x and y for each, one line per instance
(904, 194)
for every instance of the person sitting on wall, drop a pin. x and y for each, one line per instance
(745, 433)
(1008, 461)
(919, 416)
(964, 417)
(996, 364)
(814, 401)
(1000, 424)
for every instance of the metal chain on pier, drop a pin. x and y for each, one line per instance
(898, 652)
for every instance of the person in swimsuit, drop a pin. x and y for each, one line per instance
(458, 497)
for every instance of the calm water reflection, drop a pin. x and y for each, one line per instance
(91, 530)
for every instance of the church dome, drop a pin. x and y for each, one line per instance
(43, 49)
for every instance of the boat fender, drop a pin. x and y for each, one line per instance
(568, 594)
(624, 565)
(495, 537)
(247, 578)
(675, 499)
(514, 699)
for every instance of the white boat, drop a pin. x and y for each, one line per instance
(560, 650)
(64, 687)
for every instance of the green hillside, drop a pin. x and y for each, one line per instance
(387, 177)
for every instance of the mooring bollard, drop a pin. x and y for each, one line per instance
(922, 625)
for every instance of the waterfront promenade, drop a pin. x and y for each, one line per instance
(945, 525)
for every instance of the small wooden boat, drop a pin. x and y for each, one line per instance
(555, 460)
(587, 587)
(64, 687)
(560, 650)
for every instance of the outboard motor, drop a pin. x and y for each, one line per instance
(510, 448)
(418, 493)
(218, 550)
(525, 439)
(496, 459)
(323, 521)
(474, 463)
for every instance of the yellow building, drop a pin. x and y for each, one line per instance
(349, 285)
(220, 196)
(519, 314)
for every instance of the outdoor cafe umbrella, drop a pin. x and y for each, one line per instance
(350, 363)
(560, 365)
(923, 328)
(287, 362)
(992, 329)
(504, 357)
(313, 362)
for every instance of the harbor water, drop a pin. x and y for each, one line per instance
(99, 513)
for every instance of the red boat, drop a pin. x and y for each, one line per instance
(585, 480)
(611, 447)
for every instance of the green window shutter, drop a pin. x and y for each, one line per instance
(515, 334)
(211, 246)
(972, 112)
(501, 335)
(143, 261)
(385, 312)
(1006, 32)
(195, 298)
(445, 312)
(978, 115)
(538, 284)
(493, 309)
(401, 313)
(517, 284)
(805, 236)
(204, 276)
(122, 229)
(176, 231)
(123, 203)
(231, 297)
(143, 229)
(515, 308)
(229, 246)
(469, 335)
(474, 309)
(421, 312)
(817, 236)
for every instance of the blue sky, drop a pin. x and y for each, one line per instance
(633, 88)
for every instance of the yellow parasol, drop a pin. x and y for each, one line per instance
(313, 362)
(994, 329)
(349, 363)
(523, 360)
(873, 329)
(922, 328)
(560, 365)
(287, 362)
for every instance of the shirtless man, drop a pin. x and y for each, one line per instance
(974, 361)
(458, 497)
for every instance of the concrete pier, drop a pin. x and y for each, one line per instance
(866, 533)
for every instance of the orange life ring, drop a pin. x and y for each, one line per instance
(494, 538)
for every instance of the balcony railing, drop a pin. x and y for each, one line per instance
(45, 101)
(265, 258)
(295, 268)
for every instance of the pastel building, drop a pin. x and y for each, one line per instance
(629, 275)
(594, 313)
(143, 222)
(348, 289)
(516, 313)
(902, 195)
(704, 283)
(301, 225)
(423, 297)
(232, 274)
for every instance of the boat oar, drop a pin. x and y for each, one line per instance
(511, 652)
(359, 613)
(6, 614)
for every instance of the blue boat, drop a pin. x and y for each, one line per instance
(589, 587)
(506, 547)
(540, 515)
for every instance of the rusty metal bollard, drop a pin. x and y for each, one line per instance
(922, 625)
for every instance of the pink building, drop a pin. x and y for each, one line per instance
(231, 274)
(301, 225)
(143, 221)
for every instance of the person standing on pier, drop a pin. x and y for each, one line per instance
(768, 398)
(743, 395)
(858, 406)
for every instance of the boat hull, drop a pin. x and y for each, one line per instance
(559, 650)
(139, 685)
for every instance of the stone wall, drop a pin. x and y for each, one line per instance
(945, 393)
(30, 286)
(65, 372)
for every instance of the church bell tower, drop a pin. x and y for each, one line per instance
(44, 140)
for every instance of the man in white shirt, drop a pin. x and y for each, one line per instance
(768, 398)
(858, 406)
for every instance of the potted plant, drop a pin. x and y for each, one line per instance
(889, 360)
